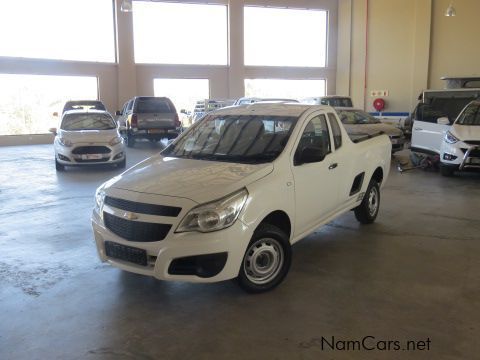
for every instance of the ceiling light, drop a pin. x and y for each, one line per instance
(126, 6)
(450, 11)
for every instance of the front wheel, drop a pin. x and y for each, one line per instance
(58, 166)
(367, 211)
(266, 261)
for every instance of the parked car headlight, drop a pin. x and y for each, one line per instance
(115, 141)
(99, 199)
(65, 142)
(215, 215)
(450, 138)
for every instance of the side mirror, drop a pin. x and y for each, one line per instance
(443, 121)
(118, 113)
(53, 131)
(310, 154)
(55, 114)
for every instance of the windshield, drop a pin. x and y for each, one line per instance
(72, 122)
(235, 138)
(440, 107)
(337, 102)
(356, 117)
(471, 116)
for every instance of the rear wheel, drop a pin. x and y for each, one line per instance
(130, 141)
(367, 211)
(446, 170)
(58, 166)
(266, 261)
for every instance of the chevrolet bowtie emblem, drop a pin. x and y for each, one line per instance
(130, 216)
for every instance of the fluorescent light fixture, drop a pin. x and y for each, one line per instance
(126, 6)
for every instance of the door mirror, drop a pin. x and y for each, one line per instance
(53, 131)
(443, 121)
(310, 154)
(118, 113)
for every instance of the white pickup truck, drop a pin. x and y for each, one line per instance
(229, 197)
(457, 144)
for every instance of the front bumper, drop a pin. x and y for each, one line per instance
(461, 155)
(90, 154)
(213, 256)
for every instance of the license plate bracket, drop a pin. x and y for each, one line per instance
(91, 156)
(126, 253)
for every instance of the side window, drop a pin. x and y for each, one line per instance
(130, 105)
(336, 131)
(315, 136)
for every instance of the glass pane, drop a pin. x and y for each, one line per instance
(27, 102)
(58, 29)
(184, 93)
(167, 33)
(279, 88)
(294, 37)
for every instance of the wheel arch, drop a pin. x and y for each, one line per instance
(280, 219)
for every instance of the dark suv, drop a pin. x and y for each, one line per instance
(148, 117)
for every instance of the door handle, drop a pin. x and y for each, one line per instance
(418, 129)
(332, 166)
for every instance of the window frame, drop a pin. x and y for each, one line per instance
(333, 119)
(299, 139)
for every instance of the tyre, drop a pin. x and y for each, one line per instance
(122, 164)
(130, 141)
(58, 166)
(266, 261)
(446, 170)
(367, 211)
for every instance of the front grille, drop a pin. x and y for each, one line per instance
(135, 230)
(82, 150)
(91, 160)
(473, 153)
(142, 208)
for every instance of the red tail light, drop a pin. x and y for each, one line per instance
(177, 121)
(134, 121)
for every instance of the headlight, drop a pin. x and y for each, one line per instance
(215, 215)
(115, 141)
(99, 199)
(65, 142)
(449, 138)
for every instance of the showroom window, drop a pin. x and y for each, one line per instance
(27, 102)
(183, 92)
(170, 33)
(58, 29)
(282, 88)
(294, 37)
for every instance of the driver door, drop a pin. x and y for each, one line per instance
(316, 195)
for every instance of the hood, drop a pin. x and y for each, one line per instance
(466, 132)
(82, 136)
(197, 180)
(371, 129)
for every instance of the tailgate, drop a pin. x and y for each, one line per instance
(156, 121)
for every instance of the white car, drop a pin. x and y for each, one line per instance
(88, 137)
(460, 148)
(229, 197)
(357, 121)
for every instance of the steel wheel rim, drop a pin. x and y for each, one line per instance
(263, 261)
(373, 201)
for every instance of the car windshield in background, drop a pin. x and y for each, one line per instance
(73, 122)
(471, 116)
(235, 138)
(356, 117)
(153, 105)
(337, 102)
(441, 107)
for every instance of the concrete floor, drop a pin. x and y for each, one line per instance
(412, 275)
